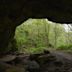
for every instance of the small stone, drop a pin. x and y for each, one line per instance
(7, 58)
(33, 66)
(58, 63)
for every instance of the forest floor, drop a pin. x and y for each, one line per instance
(48, 61)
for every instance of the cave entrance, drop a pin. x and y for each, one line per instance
(35, 35)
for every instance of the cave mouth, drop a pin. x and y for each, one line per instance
(13, 13)
(35, 35)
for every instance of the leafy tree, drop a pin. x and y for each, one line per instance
(39, 33)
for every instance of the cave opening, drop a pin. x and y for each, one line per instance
(35, 35)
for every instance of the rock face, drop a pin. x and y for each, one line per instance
(14, 12)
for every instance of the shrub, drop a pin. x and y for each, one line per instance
(65, 47)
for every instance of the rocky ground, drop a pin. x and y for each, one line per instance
(48, 61)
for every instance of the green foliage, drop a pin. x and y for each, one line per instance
(65, 47)
(34, 50)
(36, 34)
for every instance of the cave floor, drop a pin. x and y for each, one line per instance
(48, 61)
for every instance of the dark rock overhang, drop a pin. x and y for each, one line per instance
(20, 10)
(14, 12)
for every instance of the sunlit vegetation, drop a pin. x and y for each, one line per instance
(35, 35)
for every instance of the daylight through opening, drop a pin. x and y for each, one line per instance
(35, 35)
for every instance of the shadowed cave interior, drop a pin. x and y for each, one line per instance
(13, 13)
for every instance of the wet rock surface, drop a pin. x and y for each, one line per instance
(42, 62)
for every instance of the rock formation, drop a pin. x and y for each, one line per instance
(14, 12)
